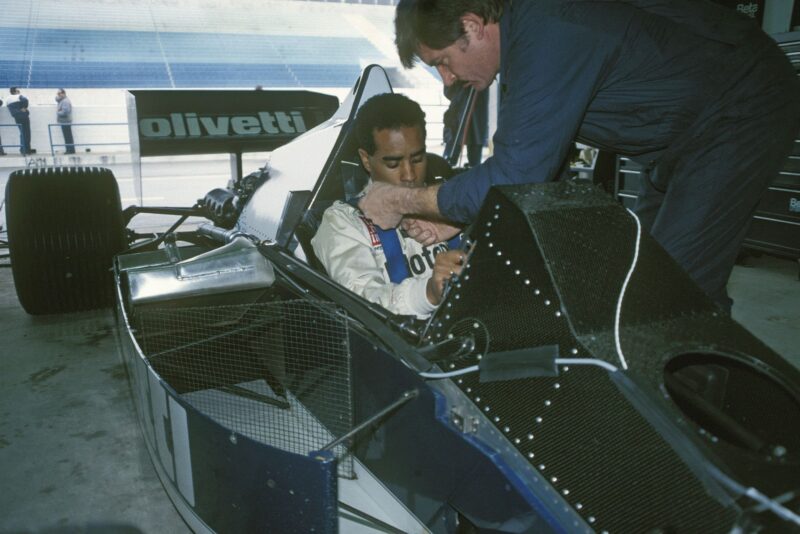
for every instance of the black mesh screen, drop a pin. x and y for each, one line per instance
(550, 274)
(599, 453)
(588, 244)
(276, 372)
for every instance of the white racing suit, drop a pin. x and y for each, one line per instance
(348, 246)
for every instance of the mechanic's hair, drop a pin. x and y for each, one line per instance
(387, 111)
(436, 23)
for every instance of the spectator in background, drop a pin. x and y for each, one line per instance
(2, 152)
(18, 106)
(64, 117)
(477, 127)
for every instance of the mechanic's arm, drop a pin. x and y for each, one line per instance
(343, 246)
(556, 72)
(386, 204)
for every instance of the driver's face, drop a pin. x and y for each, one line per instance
(399, 157)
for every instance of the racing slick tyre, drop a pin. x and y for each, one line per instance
(64, 227)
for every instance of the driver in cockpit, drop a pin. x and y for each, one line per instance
(387, 266)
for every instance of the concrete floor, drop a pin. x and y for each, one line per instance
(766, 293)
(71, 455)
(72, 458)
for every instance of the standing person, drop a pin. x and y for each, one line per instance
(18, 106)
(64, 117)
(387, 267)
(696, 93)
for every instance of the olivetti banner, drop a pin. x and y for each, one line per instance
(165, 123)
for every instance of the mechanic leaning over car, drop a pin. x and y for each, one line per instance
(387, 267)
(695, 92)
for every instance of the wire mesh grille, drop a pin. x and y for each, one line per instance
(278, 372)
(577, 430)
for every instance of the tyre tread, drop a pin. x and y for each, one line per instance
(64, 228)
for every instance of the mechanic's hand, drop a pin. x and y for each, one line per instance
(381, 204)
(447, 265)
(428, 232)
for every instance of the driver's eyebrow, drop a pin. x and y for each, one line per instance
(399, 158)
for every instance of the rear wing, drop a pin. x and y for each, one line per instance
(187, 122)
(182, 122)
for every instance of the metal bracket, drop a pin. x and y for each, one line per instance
(466, 425)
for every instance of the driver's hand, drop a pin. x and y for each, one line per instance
(381, 204)
(428, 232)
(447, 265)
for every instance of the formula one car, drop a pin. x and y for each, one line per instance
(573, 379)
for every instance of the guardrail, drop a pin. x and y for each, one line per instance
(19, 131)
(81, 124)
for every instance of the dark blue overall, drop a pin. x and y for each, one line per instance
(693, 91)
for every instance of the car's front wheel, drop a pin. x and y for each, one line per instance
(64, 227)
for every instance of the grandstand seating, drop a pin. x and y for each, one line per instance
(73, 58)
(98, 49)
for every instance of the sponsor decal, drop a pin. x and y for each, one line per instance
(192, 125)
(750, 9)
(419, 263)
(373, 235)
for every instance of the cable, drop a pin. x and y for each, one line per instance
(450, 374)
(771, 504)
(587, 361)
(625, 288)
(559, 361)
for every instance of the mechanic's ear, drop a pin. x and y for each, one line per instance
(365, 160)
(473, 24)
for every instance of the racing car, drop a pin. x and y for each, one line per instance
(573, 379)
